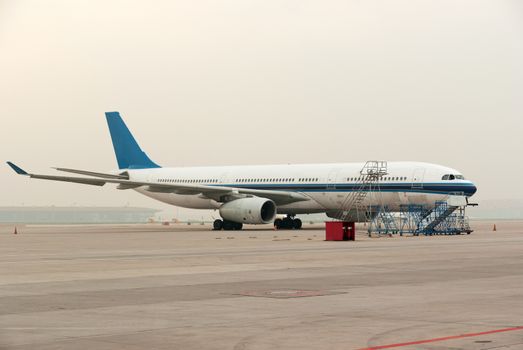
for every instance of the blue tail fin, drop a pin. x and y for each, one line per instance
(128, 153)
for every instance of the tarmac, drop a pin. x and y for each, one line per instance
(187, 287)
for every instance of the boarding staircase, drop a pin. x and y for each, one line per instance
(353, 208)
(440, 220)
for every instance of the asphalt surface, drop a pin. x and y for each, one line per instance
(186, 287)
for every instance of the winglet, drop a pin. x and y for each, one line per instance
(17, 169)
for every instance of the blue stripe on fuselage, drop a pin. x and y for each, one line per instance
(467, 189)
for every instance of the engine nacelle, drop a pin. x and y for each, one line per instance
(252, 210)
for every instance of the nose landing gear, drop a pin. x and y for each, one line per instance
(288, 223)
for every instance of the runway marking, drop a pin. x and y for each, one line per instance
(466, 335)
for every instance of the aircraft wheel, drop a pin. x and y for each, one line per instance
(278, 224)
(217, 225)
(238, 225)
(296, 223)
(287, 223)
(228, 225)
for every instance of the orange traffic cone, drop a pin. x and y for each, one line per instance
(494, 228)
(16, 232)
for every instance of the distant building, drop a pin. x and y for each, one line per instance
(75, 215)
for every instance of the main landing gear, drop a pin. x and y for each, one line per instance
(288, 223)
(226, 225)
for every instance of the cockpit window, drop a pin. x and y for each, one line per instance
(452, 177)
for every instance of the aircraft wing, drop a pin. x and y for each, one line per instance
(218, 193)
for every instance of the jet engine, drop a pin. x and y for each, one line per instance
(252, 210)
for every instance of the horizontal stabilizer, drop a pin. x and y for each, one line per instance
(95, 174)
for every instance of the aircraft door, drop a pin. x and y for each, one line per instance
(332, 178)
(417, 177)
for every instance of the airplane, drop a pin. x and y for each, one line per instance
(255, 194)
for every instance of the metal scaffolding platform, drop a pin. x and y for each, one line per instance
(415, 219)
(384, 222)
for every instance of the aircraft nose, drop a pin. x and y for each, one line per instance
(472, 189)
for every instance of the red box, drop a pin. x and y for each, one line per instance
(340, 231)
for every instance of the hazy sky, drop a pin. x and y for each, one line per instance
(249, 82)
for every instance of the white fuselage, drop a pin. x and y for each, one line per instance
(327, 185)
